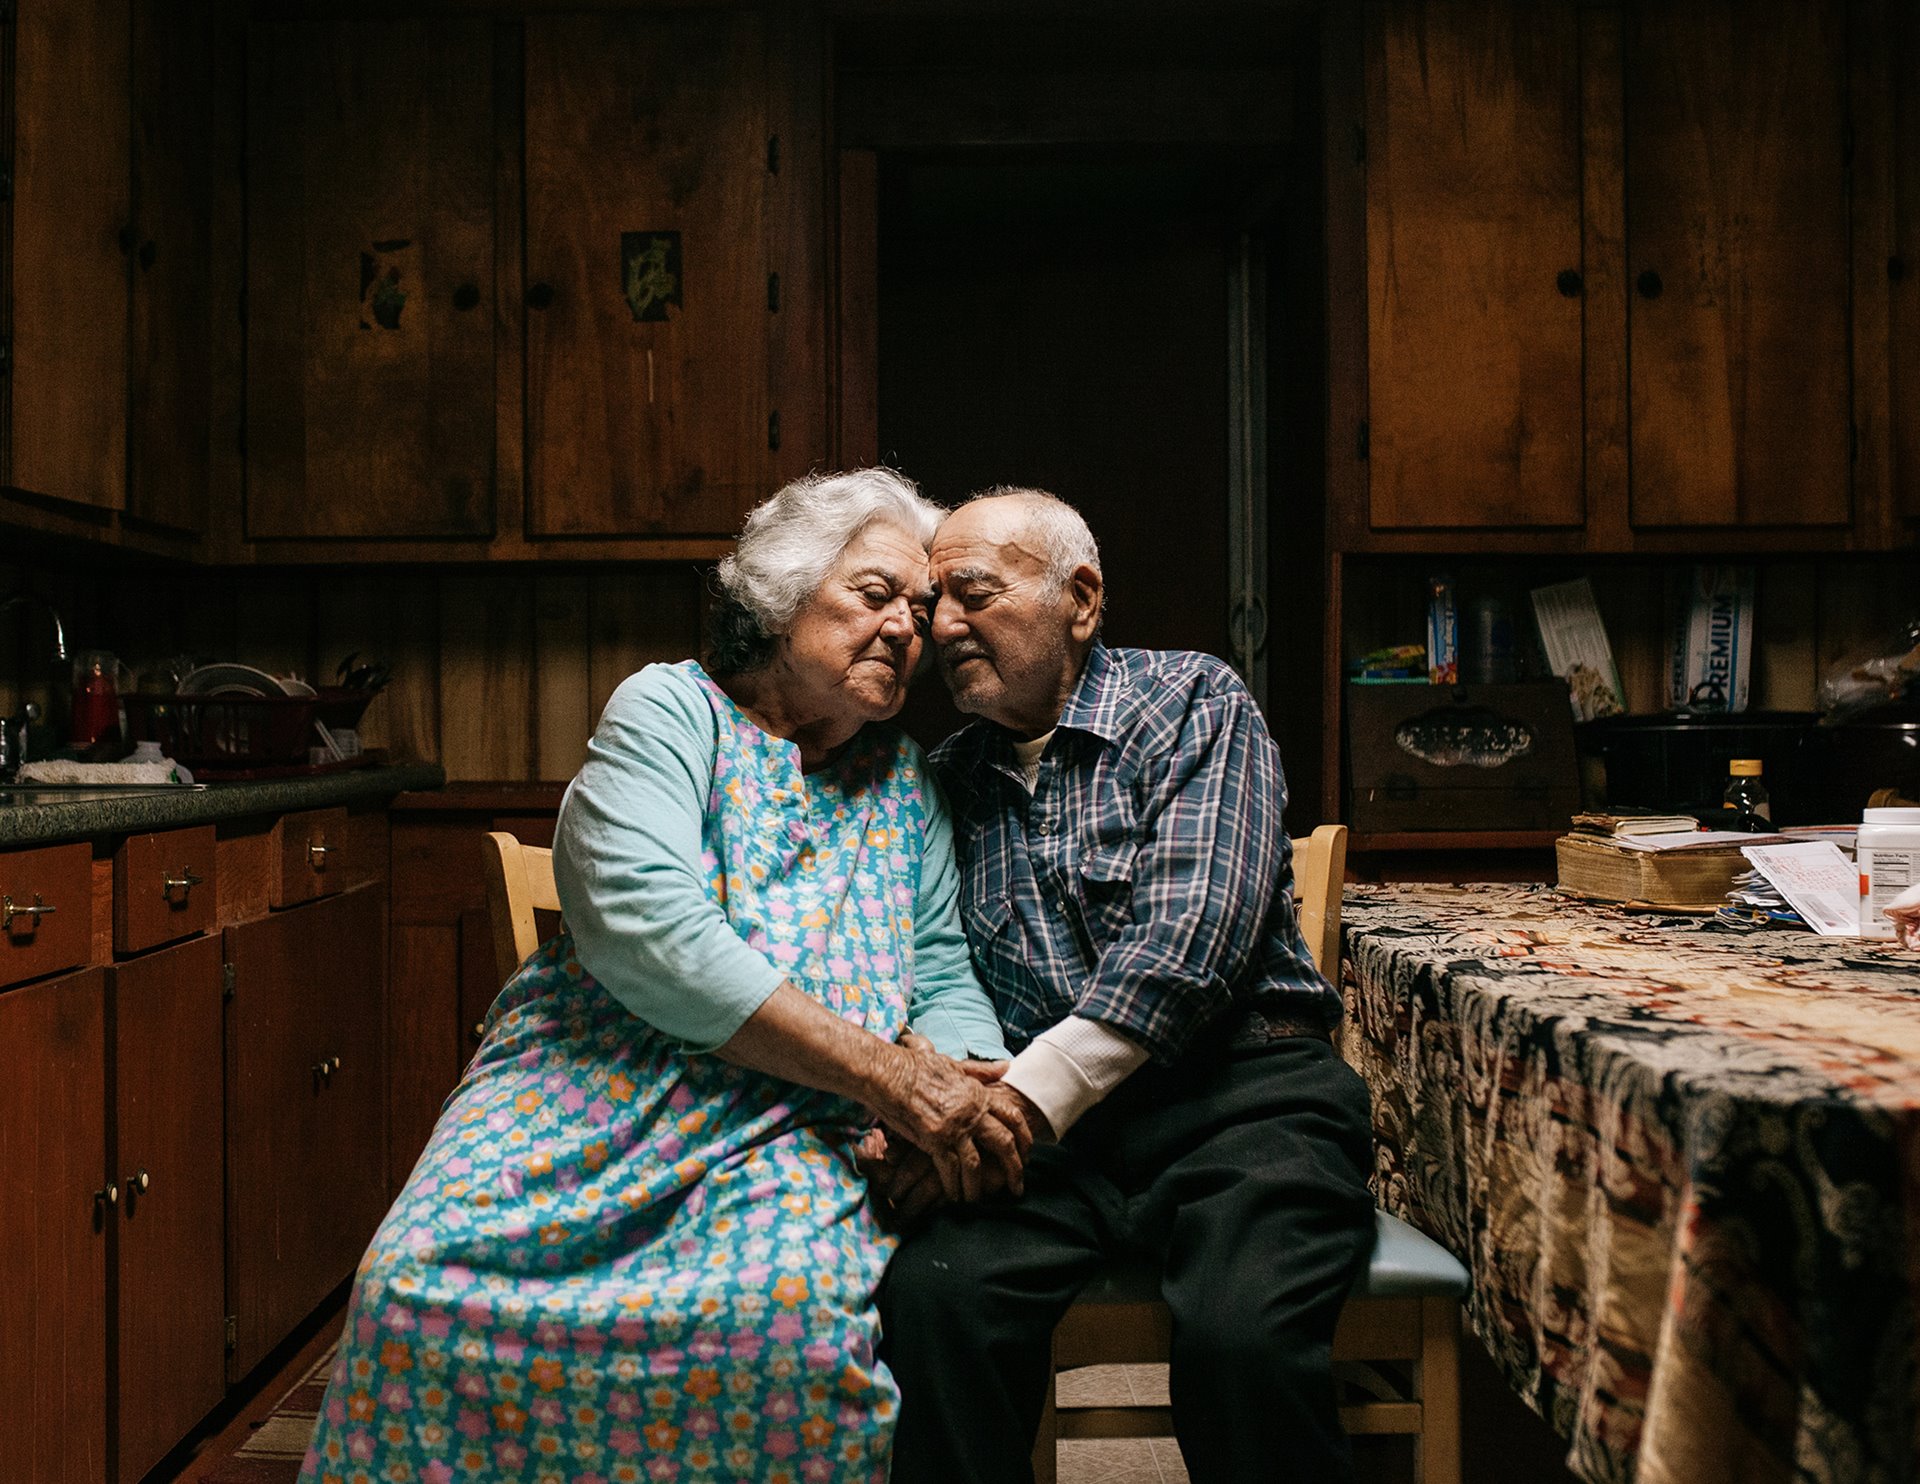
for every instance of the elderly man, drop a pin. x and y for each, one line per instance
(1125, 889)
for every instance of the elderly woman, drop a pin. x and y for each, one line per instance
(638, 1246)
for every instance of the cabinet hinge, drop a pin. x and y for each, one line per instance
(233, 1333)
(773, 293)
(773, 154)
(1362, 440)
(226, 993)
(773, 430)
(1359, 144)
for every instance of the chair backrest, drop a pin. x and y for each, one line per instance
(519, 883)
(1320, 870)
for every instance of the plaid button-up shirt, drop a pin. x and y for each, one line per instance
(1147, 880)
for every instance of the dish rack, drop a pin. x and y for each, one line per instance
(234, 731)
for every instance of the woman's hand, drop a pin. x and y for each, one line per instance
(937, 1107)
(977, 1141)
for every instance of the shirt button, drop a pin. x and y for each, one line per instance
(1044, 828)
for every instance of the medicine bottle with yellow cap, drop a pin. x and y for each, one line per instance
(1746, 797)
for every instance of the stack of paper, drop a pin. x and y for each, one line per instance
(1808, 881)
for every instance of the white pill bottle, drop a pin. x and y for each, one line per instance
(1888, 852)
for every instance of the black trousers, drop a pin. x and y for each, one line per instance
(1246, 1176)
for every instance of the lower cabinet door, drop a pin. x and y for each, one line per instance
(55, 1208)
(305, 1112)
(170, 1298)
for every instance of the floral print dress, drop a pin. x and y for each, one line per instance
(620, 1262)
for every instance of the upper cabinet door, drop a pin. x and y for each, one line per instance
(370, 278)
(1737, 262)
(72, 213)
(1904, 263)
(649, 297)
(1473, 264)
(169, 412)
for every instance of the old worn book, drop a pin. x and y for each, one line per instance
(1633, 823)
(1680, 880)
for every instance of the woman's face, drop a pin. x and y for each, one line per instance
(851, 651)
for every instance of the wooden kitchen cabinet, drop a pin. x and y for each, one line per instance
(1738, 262)
(70, 234)
(169, 1313)
(1608, 292)
(54, 1221)
(650, 300)
(169, 414)
(1474, 286)
(305, 1110)
(1903, 265)
(443, 969)
(370, 396)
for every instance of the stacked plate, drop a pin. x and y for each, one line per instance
(240, 680)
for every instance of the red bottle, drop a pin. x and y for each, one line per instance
(96, 697)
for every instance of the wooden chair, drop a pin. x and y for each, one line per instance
(519, 884)
(1397, 1348)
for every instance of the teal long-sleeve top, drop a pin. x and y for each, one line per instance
(627, 865)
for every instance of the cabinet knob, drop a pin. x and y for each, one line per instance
(1569, 282)
(317, 853)
(467, 296)
(1649, 284)
(184, 883)
(8, 911)
(110, 1196)
(138, 1182)
(540, 295)
(333, 1066)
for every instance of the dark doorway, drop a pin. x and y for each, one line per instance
(1059, 317)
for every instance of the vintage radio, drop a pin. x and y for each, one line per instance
(1461, 757)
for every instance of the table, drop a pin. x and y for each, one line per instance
(1680, 1160)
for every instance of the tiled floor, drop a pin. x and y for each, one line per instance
(1126, 1460)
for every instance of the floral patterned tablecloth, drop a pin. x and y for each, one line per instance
(1680, 1160)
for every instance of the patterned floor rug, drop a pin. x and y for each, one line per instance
(272, 1454)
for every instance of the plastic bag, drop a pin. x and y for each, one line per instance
(1860, 685)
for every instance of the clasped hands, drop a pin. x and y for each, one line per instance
(948, 1130)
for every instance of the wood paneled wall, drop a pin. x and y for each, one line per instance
(500, 674)
(497, 674)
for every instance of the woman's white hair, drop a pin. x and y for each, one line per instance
(791, 544)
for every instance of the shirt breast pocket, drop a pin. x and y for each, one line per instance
(986, 921)
(1106, 890)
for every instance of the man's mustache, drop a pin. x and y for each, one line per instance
(962, 649)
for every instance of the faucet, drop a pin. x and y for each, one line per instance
(13, 730)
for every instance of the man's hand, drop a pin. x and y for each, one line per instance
(1010, 1104)
(904, 1183)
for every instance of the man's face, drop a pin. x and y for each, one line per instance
(1009, 640)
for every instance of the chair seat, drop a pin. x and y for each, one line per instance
(1405, 1264)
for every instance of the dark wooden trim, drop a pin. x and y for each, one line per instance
(1603, 270)
(856, 339)
(926, 109)
(1402, 840)
(482, 798)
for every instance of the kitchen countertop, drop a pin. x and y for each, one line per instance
(81, 819)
